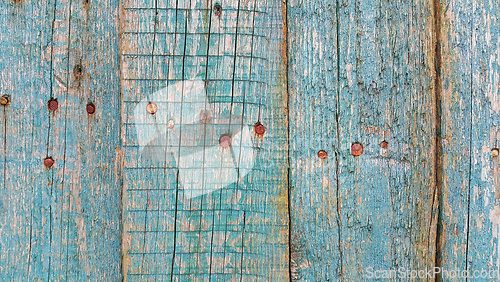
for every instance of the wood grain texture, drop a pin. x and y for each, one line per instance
(193, 210)
(140, 197)
(362, 71)
(61, 223)
(470, 213)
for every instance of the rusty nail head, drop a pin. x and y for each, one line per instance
(4, 100)
(322, 154)
(90, 108)
(225, 141)
(48, 162)
(217, 9)
(356, 149)
(53, 104)
(259, 128)
(384, 144)
(495, 152)
(152, 108)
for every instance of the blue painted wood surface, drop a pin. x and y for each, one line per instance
(139, 197)
(63, 223)
(193, 210)
(470, 204)
(361, 71)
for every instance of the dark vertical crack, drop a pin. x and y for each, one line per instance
(438, 169)
(156, 125)
(289, 155)
(65, 143)
(51, 180)
(200, 222)
(470, 148)
(337, 146)
(180, 136)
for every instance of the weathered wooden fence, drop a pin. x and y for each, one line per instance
(248, 140)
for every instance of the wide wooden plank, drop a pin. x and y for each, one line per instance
(387, 103)
(61, 223)
(194, 210)
(471, 116)
(362, 72)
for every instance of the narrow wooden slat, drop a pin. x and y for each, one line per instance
(470, 213)
(313, 85)
(484, 191)
(186, 213)
(456, 29)
(361, 71)
(61, 223)
(21, 126)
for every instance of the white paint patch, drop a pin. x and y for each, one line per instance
(486, 196)
(485, 163)
(495, 219)
(492, 89)
(203, 166)
(348, 68)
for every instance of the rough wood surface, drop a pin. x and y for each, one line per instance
(61, 223)
(193, 210)
(137, 196)
(470, 112)
(362, 71)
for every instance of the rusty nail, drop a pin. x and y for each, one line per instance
(494, 152)
(205, 116)
(356, 149)
(152, 108)
(90, 108)
(53, 104)
(260, 129)
(384, 144)
(225, 141)
(78, 70)
(4, 100)
(48, 162)
(322, 154)
(217, 9)
(170, 123)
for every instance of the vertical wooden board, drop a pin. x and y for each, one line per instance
(192, 209)
(387, 94)
(483, 251)
(469, 238)
(61, 223)
(456, 43)
(315, 241)
(21, 60)
(93, 158)
(362, 72)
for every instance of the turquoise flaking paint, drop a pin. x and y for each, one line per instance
(423, 76)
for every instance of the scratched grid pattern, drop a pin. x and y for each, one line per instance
(234, 233)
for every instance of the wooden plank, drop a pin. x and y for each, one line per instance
(456, 132)
(61, 223)
(313, 83)
(469, 237)
(361, 71)
(484, 191)
(193, 210)
(388, 201)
